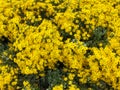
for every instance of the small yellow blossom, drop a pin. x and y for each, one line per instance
(71, 76)
(73, 87)
(58, 87)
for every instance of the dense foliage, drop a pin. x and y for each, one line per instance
(59, 44)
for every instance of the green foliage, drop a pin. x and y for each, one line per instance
(99, 35)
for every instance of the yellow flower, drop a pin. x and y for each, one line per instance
(73, 87)
(65, 78)
(71, 76)
(14, 83)
(58, 87)
(70, 82)
(25, 83)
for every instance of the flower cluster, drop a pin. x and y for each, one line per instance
(79, 38)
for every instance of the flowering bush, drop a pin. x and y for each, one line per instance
(59, 44)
